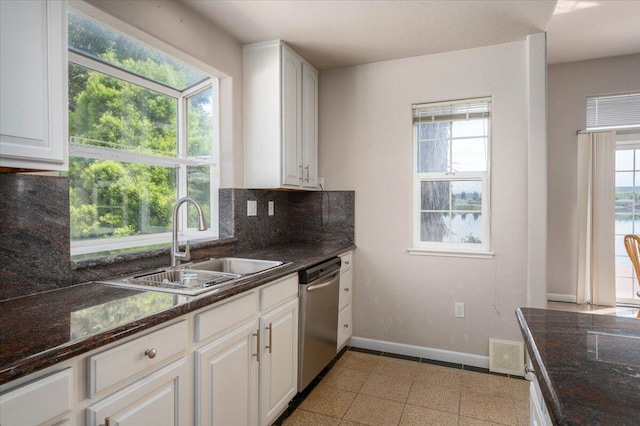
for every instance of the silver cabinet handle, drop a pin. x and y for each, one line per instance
(346, 289)
(307, 167)
(346, 326)
(151, 353)
(347, 263)
(301, 174)
(257, 354)
(270, 345)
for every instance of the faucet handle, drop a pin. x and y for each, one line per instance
(187, 254)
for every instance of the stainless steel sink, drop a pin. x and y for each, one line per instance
(234, 265)
(178, 281)
(195, 278)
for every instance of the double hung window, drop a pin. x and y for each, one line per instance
(143, 132)
(451, 176)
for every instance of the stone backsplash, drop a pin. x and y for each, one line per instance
(34, 227)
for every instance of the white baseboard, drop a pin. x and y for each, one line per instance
(421, 352)
(555, 297)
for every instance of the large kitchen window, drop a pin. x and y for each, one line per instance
(143, 132)
(451, 177)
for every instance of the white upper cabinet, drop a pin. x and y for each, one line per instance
(309, 126)
(33, 83)
(280, 118)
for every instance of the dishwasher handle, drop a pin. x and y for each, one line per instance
(324, 282)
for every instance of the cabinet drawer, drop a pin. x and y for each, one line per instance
(278, 292)
(156, 399)
(347, 261)
(38, 401)
(345, 329)
(221, 317)
(346, 288)
(125, 361)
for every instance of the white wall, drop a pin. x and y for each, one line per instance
(193, 37)
(365, 144)
(569, 85)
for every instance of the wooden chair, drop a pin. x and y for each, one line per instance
(632, 245)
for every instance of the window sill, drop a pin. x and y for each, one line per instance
(105, 259)
(452, 253)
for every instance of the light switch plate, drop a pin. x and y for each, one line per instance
(252, 208)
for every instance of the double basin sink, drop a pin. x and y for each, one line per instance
(194, 278)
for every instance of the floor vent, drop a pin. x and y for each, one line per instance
(506, 357)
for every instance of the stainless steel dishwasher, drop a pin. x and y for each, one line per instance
(318, 328)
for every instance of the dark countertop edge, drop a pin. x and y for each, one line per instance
(546, 386)
(147, 254)
(34, 363)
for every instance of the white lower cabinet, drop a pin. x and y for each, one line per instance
(40, 402)
(157, 399)
(279, 360)
(227, 379)
(231, 363)
(345, 312)
(538, 412)
(247, 367)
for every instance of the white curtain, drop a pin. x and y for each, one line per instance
(596, 207)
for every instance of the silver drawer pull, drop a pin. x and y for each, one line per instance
(151, 353)
(347, 263)
(346, 326)
(270, 328)
(257, 354)
(346, 289)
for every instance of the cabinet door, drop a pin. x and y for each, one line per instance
(345, 329)
(309, 126)
(279, 360)
(157, 399)
(33, 83)
(38, 402)
(291, 117)
(227, 379)
(346, 289)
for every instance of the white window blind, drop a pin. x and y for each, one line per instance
(613, 112)
(451, 111)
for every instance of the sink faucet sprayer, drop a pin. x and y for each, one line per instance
(176, 254)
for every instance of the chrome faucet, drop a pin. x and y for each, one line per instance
(176, 254)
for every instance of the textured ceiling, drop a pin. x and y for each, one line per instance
(590, 29)
(332, 34)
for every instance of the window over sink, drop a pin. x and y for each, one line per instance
(451, 148)
(143, 132)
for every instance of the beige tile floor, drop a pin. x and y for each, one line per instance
(376, 390)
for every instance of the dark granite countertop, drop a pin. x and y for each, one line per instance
(40, 330)
(587, 365)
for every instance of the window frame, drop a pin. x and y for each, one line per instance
(180, 162)
(419, 247)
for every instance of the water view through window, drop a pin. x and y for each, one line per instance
(627, 220)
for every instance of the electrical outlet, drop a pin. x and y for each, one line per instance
(271, 207)
(459, 309)
(252, 208)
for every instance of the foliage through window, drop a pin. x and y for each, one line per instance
(143, 133)
(451, 175)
